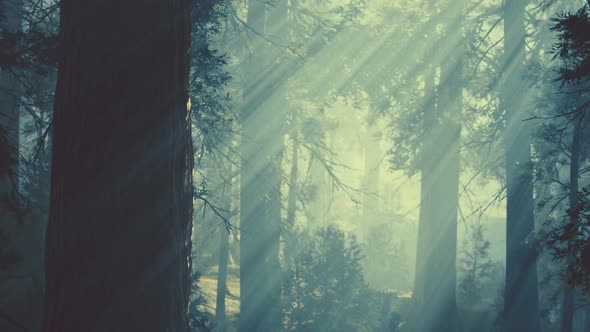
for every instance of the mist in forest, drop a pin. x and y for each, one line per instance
(295, 165)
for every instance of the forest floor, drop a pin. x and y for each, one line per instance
(208, 284)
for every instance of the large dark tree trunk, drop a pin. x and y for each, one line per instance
(521, 303)
(118, 239)
(262, 121)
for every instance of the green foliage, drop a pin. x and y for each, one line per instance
(324, 288)
(199, 319)
(567, 239)
(573, 46)
(478, 270)
(212, 116)
(571, 239)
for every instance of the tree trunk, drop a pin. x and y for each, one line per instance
(11, 21)
(437, 234)
(319, 206)
(118, 238)
(293, 185)
(521, 300)
(440, 295)
(568, 300)
(262, 121)
(586, 319)
(372, 173)
(220, 314)
(423, 242)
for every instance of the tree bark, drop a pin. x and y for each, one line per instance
(424, 242)
(372, 172)
(586, 327)
(118, 238)
(436, 307)
(11, 21)
(440, 307)
(293, 185)
(521, 300)
(220, 314)
(568, 299)
(262, 121)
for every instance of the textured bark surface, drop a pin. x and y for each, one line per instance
(118, 238)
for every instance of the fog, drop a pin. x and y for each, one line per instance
(295, 165)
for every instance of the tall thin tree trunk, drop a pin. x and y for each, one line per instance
(371, 172)
(118, 238)
(293, 185)
(423, 242)
(318, 208)
(521, 300)
(261, 148)
(289, 232)
(436, 307)
(568, 300)
(220, 311)
(444, 201)
(586, 327)
(220, 314)
(11, 22)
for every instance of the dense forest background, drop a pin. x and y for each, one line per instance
(294, 165)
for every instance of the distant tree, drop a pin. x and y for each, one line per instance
(118, 238)
(386, 262)
(476, 268)
(27, 81)
(326, 285)
(11, 20)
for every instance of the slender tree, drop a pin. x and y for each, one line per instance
(261, 147)
(521, 302)
(118, 238)
(372, 174)
(10, 26)
(424, 241)
(437, 234)
(224, 233)
(568, 300)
